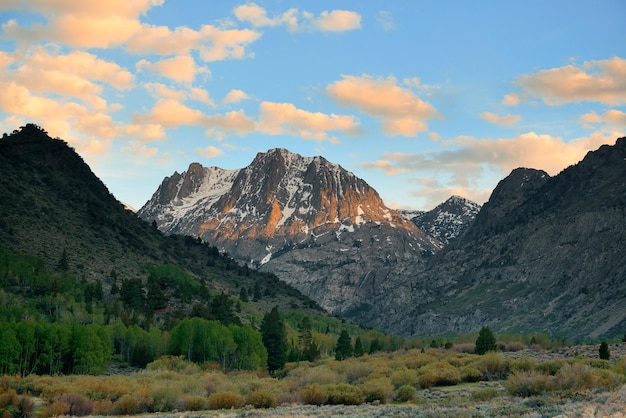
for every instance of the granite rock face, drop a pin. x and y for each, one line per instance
(311, 222)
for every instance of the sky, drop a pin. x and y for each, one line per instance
(421, 99)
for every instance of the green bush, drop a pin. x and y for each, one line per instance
(194, 403)
(377, 389)
(485, 394)
(224, 400)
(313, 394)
(440, 373)
(344, 394)
(492, 366)
(405, 393)
(261, 399)
(404, 377)
(470, 374)
(527, 384)
(127, 405)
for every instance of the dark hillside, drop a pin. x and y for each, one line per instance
(53, 207)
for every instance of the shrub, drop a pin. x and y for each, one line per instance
(522, 364)
(344, 394)
(103, 407)
(527, 384)
(485, 394)
(78, 405)
(440, 373)
(127, 405)
(470, 374)
(356, 371)
(194, 403)
(261, 399)
(165, 397)
(56, 409)
(404, 377)
(313, 394)
(224, 400)
(492, 366)
(377, 389)
(405, 393)
(550, 367)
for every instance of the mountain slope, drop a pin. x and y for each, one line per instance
(52, 206)
(446, 221)
(314, 224)
(544, 254)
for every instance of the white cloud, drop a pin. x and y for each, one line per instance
(384, 19)
(210, 151)
(234, 96)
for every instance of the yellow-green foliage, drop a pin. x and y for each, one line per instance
(404, 377)
(470, 374)
(405, 393)
(261, 399)
(225, 400)
(439, 373)
(377, 389)
(344, 394)
(492, 366)
(522, 364)
(313, 394)
(484, 394)
(528, 383)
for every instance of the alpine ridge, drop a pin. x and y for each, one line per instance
(544, 253)
(311, 222)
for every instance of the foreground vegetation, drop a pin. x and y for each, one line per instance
(430, 379)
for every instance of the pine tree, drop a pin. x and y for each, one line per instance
(604, 351)
(486, 341)
(358, 348)
(343, 349)
(274, 337)
(310, 350)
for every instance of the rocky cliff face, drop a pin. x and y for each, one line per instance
(545, 254)
(314, 224)
(446, 221)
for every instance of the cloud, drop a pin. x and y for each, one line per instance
(613, 117)
(281, 118)
(432, 192)
(507, 120)
(384, 19)
(210, 151)
(182, 68)
(511, 99)
(171, 113)
(296, 20)
(597, 80)
(401, 111)
(465, 160)
(146, 132)
(234, 96)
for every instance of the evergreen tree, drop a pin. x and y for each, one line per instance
(604, 351)
(486, 341)
(375, 346)
(274, 337)
(243, 294)
(343, 349)
(310, 350)
(358, 347)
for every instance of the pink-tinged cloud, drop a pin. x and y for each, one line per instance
(599, 81)
(210, 151)
(401, 111)
(146, 132)
(171, 113)
(297, 20)
(613, 117)
(281, 118)
(511, 99)
(432, 192)
(465, 160)
(224, 44)
(182, 68)
(234, 96)
(507, 120)
(337, 21)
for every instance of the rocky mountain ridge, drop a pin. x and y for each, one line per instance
(544, 253)
(447, 220)
(311, 222)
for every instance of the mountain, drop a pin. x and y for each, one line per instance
(446, 221)
(53, 207)
(314, 224)
(544, 254)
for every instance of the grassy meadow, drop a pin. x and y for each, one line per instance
(414, 382)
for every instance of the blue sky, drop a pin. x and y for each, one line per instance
(421, 99)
